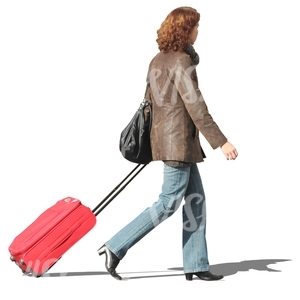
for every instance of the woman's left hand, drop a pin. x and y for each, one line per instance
(229, 151)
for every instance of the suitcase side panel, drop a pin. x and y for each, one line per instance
(51, 247)
(42, 225)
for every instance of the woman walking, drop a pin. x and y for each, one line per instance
(179, 114)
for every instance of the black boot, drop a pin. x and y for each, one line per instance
(203, 276)
(111, 262)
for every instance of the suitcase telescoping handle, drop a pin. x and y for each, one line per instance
(118, 189)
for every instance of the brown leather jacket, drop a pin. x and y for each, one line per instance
(178, 110)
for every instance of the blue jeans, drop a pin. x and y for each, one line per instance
(178, 183)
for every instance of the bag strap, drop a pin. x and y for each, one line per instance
(146, 105)
(147, 92)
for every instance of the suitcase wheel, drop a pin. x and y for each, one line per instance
(12, 258)
(21, 262)
(26, 272)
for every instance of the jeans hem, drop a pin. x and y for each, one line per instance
(116, 253)
(196, 271)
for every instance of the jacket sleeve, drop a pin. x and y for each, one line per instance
(186, 83)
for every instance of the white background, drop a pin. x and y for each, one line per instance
(71, 75)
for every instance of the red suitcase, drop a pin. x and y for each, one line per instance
(36, 249)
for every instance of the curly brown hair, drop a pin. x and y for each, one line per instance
(174, 32)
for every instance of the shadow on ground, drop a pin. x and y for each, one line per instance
(232, 268)
(226, 269)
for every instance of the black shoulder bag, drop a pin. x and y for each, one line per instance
(135, 138)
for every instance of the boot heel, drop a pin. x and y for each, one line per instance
(101, 250)
(189, 276)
